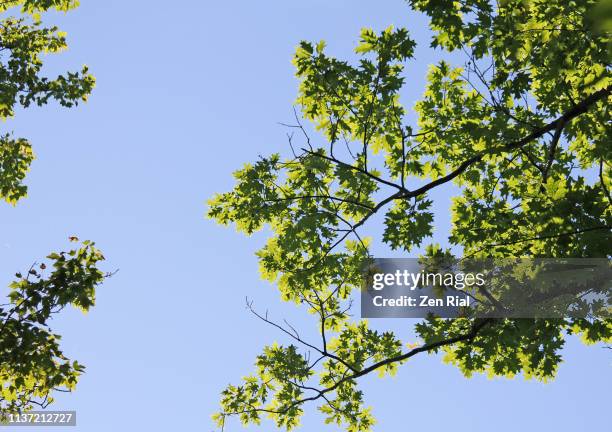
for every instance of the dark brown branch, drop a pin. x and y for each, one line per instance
(575, 111)
(604, 187)
(297, 337)
(315, 197)
(466, 337)
(552, 150)
(355, 168)
(543, 237)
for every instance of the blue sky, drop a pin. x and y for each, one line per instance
(186, 93)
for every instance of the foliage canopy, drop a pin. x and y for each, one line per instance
(522, 127)
(32, 365)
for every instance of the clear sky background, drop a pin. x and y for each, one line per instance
(188, 91)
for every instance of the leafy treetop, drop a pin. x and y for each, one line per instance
(522, 127)
(32, 365)
(24, 41)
